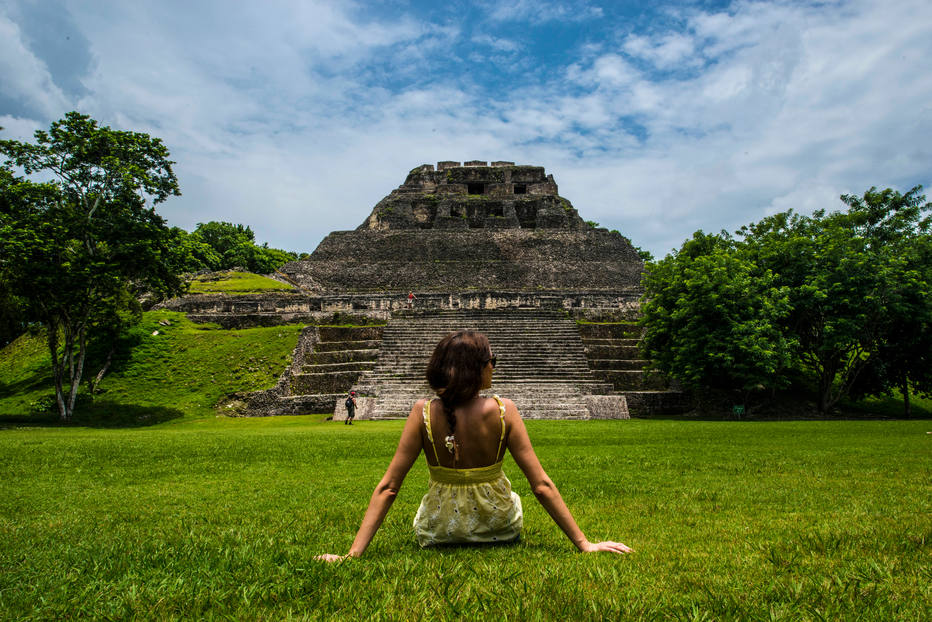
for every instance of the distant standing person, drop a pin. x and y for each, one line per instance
(411, 298)
(350, 408)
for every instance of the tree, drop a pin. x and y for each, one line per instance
(711, 317)
(13, 321)
(12, 307)
(235, 246)
(898, 234)
(266, 260)
(78, 249)
(194, 254)
(230, 242)
(843, 297)
(850, 285)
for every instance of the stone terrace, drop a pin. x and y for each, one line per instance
(454, 261)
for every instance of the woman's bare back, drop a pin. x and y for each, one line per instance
(478, 433)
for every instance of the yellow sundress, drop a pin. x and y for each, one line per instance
(468, 505)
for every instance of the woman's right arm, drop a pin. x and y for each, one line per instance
(519, 444)
(409, 448)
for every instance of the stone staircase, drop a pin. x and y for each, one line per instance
(542, 363)
(326, 362)
(613, 354)
(338, 357)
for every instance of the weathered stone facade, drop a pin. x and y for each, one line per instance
(475, 196)
(472, 228)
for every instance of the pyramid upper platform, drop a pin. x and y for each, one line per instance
(475, 195)
(472, 227)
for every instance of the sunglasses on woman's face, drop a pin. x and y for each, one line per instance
(493, 360)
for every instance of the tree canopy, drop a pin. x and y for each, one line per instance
(711, 317)
(841, 298)
(79, 250)
(223, 245)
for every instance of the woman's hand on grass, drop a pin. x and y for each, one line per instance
(330, 557)
(605, 547)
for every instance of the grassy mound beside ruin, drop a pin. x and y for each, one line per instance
(165, 368)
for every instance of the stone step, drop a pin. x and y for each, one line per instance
(531, 368)
(333, 346)
(552, 386)
(549, 325)
(542, 361)
(500, 374)
(326, 368)
(529, 414)
(349, 333)
(400, 379)
(515, 312)
(427, 341)
(595, 364)
(623, 380)
(589, 342)
(517, 351)
(523, 405)
(535, 357)
(616, 352)
(342, 356)
(610, 331)
(306, 404)
(331, 382)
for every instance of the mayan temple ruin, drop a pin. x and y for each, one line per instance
(492, 247)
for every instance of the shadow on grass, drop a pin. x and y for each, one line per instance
(465, 546)
(36, 381)
(98, 414)
(798, 404)
(840, 414)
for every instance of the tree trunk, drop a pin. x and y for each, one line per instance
(52, 329)
(77, 369)
(69, 366)
(103, 370)
(904, 388)
(825, 392)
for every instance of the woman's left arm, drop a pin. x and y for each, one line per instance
(409, 448)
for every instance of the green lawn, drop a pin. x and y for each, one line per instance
(219, 518)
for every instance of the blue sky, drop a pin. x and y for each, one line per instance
(656, 119)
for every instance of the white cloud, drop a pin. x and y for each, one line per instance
(670, 50)
(15, 128)
(23, 76)
(540, 11)
(292, 118)
(497, 43)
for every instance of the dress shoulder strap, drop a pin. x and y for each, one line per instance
(430, 436)
(501, 409)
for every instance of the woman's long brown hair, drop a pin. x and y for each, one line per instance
(455, 369)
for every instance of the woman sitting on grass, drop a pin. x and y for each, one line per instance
(464, 437)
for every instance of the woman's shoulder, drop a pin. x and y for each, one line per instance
(492, 403)
(419, 405)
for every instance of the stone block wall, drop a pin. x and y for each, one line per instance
(508, 260)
